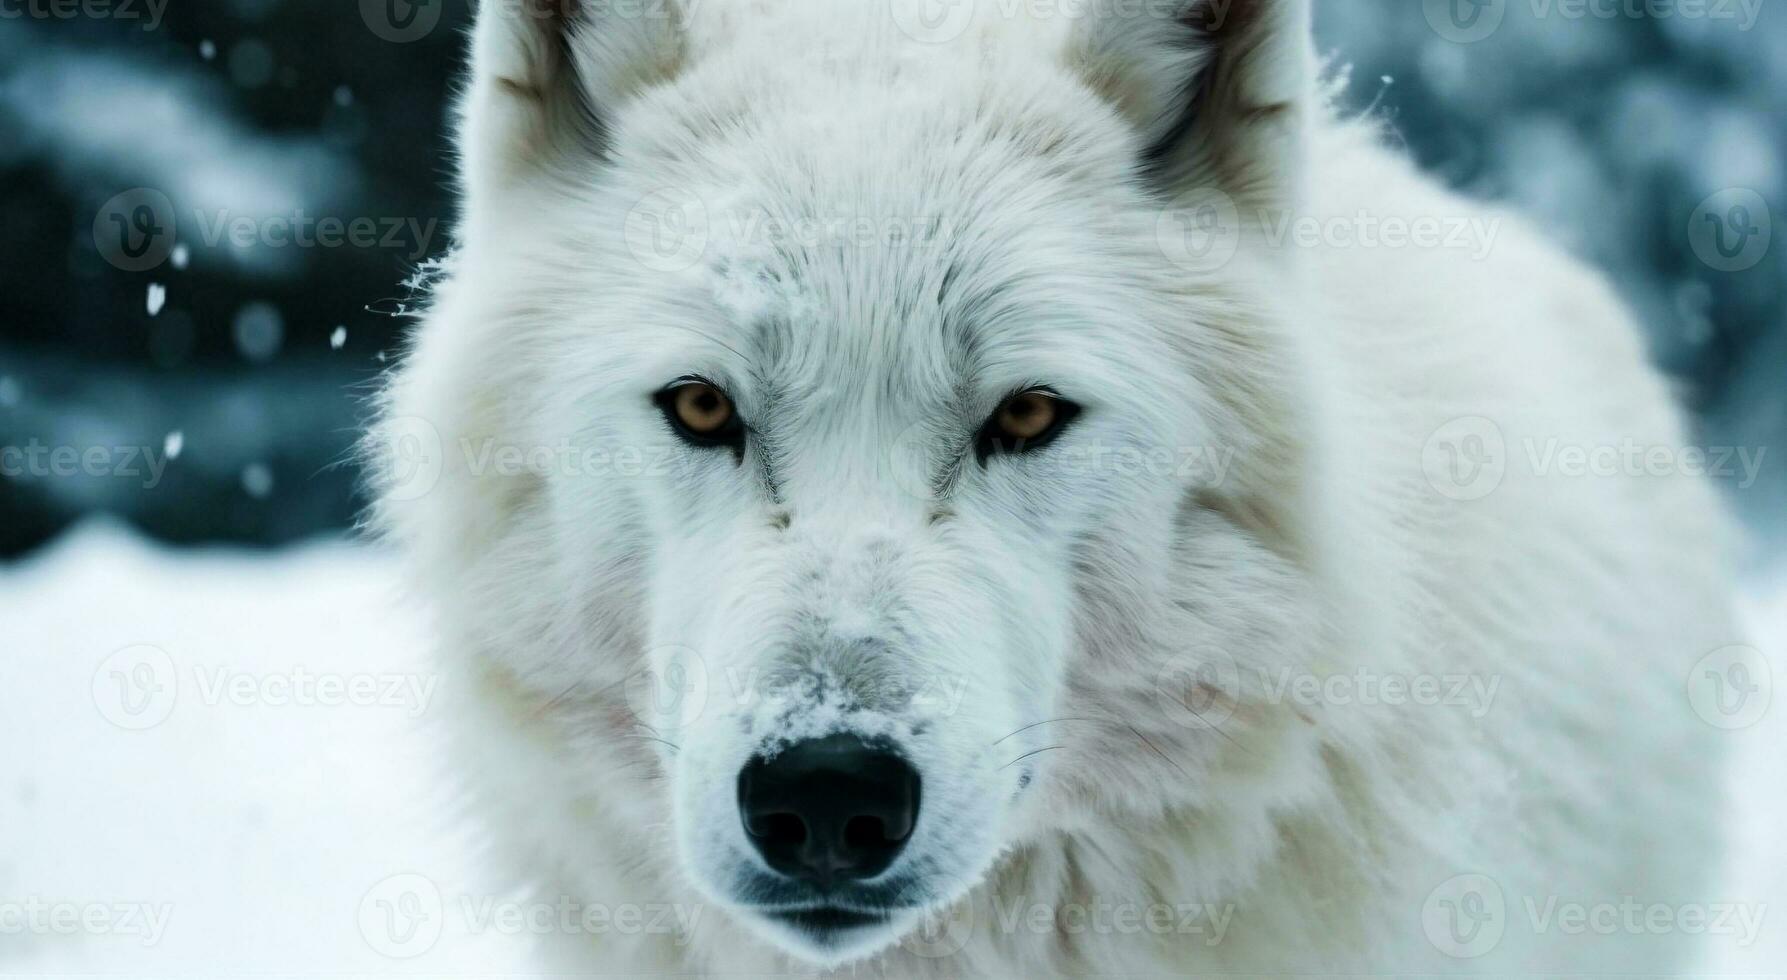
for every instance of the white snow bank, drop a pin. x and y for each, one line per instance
(209, 798)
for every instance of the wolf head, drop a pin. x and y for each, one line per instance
(863, 442)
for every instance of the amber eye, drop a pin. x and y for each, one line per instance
(1027, 416)
(701, 413)
(1026, 421)
(702, 409)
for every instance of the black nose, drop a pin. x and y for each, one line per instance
(830, 809)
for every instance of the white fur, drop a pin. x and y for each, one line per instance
(855, 571)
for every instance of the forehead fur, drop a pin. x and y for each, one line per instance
(841, 169)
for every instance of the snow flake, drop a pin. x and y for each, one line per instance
(257, 479)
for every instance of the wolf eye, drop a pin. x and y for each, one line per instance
(1026, 421)
(702, 414)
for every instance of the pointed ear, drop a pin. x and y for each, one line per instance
(545, 74)
(1219, 90)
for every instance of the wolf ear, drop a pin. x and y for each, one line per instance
(545, 73)
(1219, 90)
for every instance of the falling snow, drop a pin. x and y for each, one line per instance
(259, 332)
(257, 480)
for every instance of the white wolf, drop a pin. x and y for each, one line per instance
(1011, 489)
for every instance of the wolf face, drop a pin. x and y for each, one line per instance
(890, 543)
(890, 425)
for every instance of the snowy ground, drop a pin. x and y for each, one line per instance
(221, 767)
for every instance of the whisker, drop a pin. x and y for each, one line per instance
(1051, 721)
(552, 703)
(1156, 748)
(558, 700)
(653, 738)
(1214, 728)
(1027, 755)
(713, 339)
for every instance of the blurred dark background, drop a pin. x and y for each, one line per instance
(138, 138)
